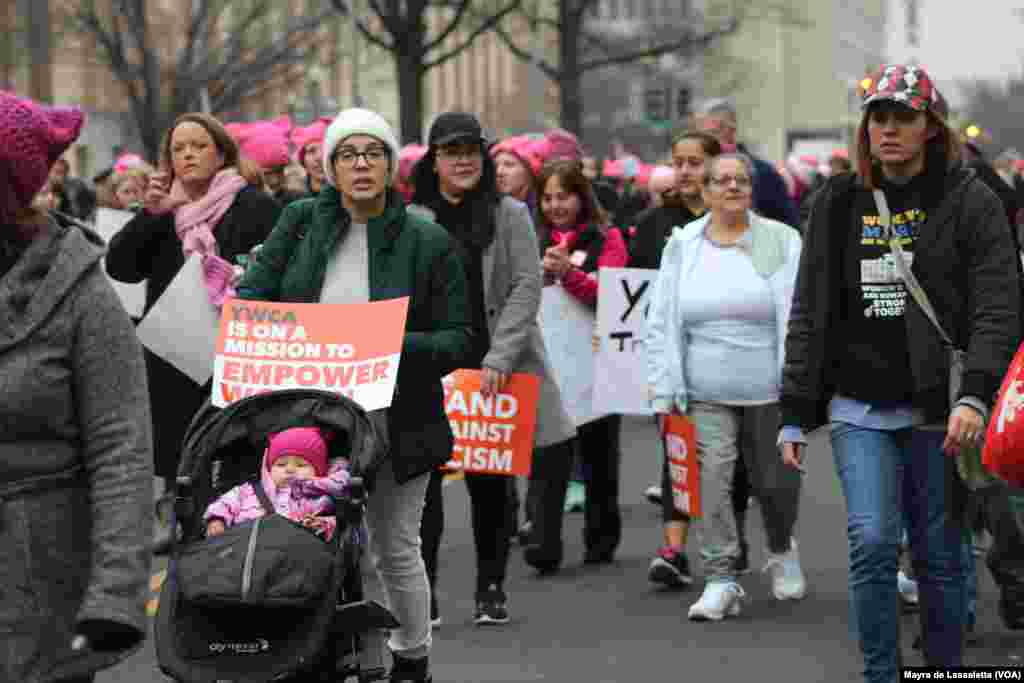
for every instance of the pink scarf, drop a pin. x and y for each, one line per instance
(194, 222)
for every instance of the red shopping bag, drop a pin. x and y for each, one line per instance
(681, 448)
(1003, 453)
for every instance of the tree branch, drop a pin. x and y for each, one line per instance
(460, 12)
(546, 67)
(364, 30)
(485, 26)
(658, 50)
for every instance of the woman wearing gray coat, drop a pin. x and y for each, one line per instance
(455, 183)
(76, 488)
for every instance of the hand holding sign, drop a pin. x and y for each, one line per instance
(494, 382)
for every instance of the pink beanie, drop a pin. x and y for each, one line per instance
(303, 136)
(126, 161)
(305, 442)
(265, 144)
(530, 152)
(407, 158)
(32, 138)
(663, 179)
(561, 144)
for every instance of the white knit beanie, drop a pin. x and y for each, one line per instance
(358, 122)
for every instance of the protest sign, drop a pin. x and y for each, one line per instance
(493, 435)
(350, 349)
(568, 327)
(133, 296)
(620, 367)
(684, 471)
(181, 327)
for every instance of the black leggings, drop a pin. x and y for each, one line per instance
(492, 509)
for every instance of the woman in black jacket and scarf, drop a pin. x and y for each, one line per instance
(201, 205)
(862, 355)
(455, 182)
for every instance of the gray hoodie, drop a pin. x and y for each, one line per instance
(75, 462)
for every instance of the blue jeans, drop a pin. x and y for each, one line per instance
(889, 476)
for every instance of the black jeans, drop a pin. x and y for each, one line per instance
(601, 454)
(491, 512)
(545, 498)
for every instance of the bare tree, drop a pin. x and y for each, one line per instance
(586, 45)
(229, 50)
(583, 48)
(402, 28)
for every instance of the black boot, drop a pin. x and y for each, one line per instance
(410, 670)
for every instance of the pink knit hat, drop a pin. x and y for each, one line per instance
(407, 158)
(306, 442)
(530, 151)
(126, 161)
(32, 138)
(561, 144)
(265, 144)
(663, 179)
(303, 136)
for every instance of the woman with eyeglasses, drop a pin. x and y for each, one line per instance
(715, 354)
(353, 243)
(456, 183)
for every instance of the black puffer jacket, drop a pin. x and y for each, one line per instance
(967, 264)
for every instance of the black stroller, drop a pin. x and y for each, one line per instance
(252, 639)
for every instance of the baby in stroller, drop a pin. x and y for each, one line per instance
(296, 479)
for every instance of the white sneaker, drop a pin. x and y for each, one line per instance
(908, 589)
(653, 494)
(720, 599)
(788, 582)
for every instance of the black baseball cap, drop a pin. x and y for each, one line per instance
(455, 126)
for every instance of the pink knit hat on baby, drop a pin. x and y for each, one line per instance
(306, 442)
(32, 138)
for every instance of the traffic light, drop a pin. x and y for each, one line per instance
(683, 98)
(656, 104)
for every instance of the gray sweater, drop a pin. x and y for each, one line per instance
(76, 488)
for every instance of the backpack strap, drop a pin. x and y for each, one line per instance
(257, 486)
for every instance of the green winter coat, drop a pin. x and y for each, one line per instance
(408, 256)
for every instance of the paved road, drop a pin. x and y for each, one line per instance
(608, 625)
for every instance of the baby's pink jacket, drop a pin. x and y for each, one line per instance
(294, 501)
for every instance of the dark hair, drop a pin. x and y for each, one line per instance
(225, 144)
(712, 147)
(942, 151)
(570, 174)
(484, 198)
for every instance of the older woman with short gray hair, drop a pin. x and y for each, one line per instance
(715, 354)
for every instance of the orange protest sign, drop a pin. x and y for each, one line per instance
(493, 435)
(350, 349)
(684, 471)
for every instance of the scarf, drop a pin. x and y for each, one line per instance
(194, 222)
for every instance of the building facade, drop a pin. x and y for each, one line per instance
(793, 70)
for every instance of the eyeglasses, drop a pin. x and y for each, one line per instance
(372, 156)
(469, 151)
(742, 182)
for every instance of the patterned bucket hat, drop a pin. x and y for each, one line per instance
(909, 85)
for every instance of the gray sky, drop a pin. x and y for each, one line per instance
(959, 40)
